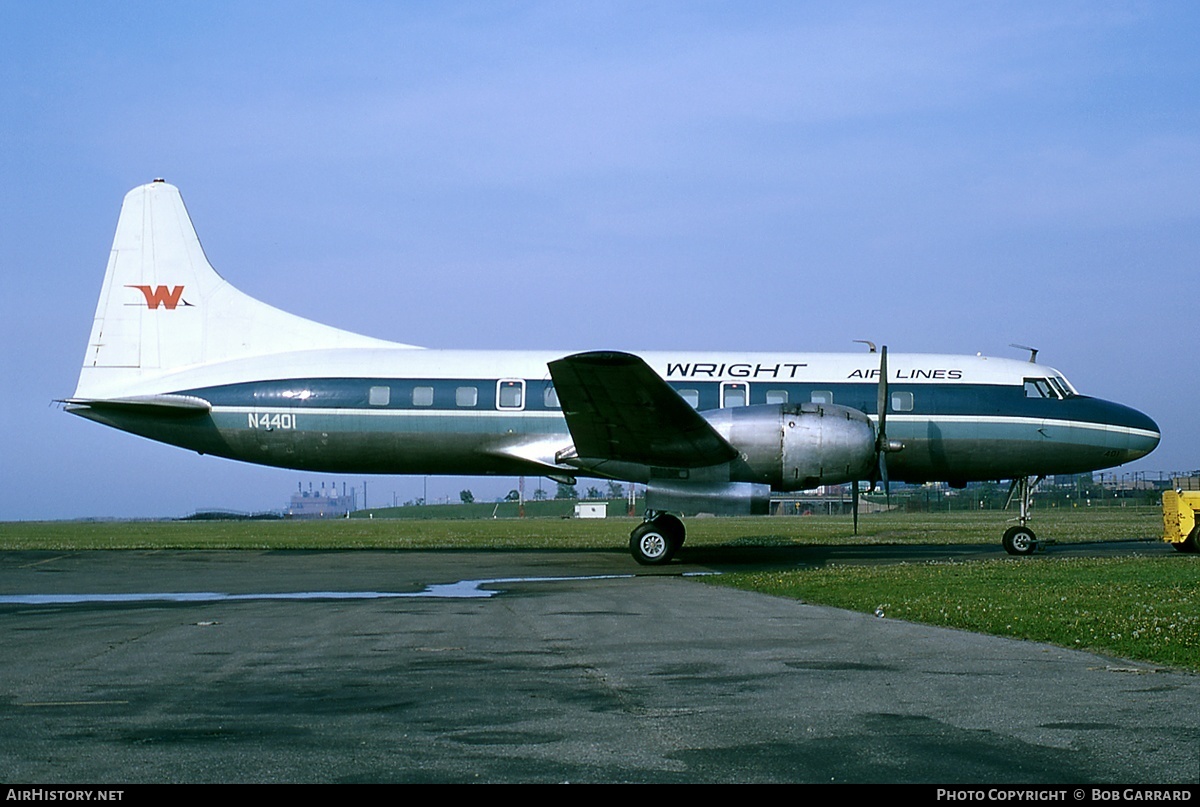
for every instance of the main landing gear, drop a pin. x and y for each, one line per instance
(1020, 540)
(656, 540)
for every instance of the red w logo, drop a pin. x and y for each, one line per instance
(160, 295)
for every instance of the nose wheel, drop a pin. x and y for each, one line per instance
(1020, 540)
(656, 540)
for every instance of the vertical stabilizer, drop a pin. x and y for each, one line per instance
(156, 268)
(164, 308)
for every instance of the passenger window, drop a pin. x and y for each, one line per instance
(379, 396)
(510, 394)
(734, 394)
(821, 396)
(422, 396)
(466, 396)
(777, 396)
(550, 398)
(692, 396)
(902, 401)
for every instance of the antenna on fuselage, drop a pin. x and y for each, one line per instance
(1033, 351)
(868, 343)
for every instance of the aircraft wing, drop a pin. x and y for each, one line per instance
(617, 408)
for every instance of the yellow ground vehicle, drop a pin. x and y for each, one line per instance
(1181, 527)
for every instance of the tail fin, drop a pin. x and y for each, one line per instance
(163, 308)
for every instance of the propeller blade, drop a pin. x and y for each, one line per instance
(882, 445)
(882, 400)
(854, 504)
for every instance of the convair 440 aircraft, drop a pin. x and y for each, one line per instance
(178, 355)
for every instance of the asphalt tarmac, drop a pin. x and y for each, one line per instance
(527, 666)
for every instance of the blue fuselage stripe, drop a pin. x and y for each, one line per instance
(443, 396)
(953, 431)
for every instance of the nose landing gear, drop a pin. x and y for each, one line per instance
(1021, 540)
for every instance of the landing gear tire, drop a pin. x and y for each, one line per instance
(1019, 541)
(673, 528)
(651, 545)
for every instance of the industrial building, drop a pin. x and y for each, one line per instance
(322, 503)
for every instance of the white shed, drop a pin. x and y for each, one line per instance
(591, 510)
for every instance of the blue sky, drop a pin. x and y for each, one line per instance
(944, 177)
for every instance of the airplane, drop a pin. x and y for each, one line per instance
(177, 354)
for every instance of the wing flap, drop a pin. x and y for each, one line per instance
(618, 408)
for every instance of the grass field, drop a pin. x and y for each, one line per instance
(1145, 608)
(1098, 524)
(1139, 608)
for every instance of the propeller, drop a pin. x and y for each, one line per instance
(882, 444)
(881, 441)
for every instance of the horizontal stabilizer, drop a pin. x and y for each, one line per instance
(163, 404)
(618, 408)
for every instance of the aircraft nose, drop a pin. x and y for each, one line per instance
(1142, 433)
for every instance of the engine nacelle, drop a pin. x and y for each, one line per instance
(797, 446)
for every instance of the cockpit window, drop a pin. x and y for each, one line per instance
(1044, 388)
(1060, 384)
